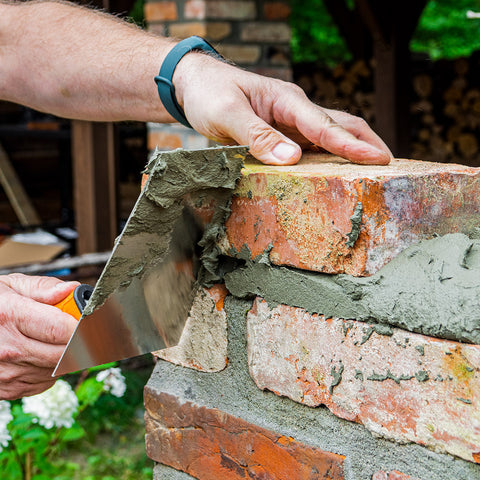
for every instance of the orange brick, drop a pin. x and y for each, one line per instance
(210, 444)
(163, 140)
(276, 10)
(160, 11)
(401, 386)
(305, 211)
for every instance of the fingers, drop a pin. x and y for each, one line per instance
(20, 389)
(359, 128)
(48, 290)
(266, 144)
(43, 322)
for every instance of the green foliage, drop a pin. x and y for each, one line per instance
(105, 442)
(315, 37)
(444, 31)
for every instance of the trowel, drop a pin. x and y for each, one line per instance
(167, 248)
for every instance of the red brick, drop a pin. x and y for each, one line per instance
(304, 210)
(276, 10)
(210, 444)
(160, 11)
(220, 9)
(265, 32)
(392, 475)
(405, 387)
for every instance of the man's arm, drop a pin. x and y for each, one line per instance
(78, 63)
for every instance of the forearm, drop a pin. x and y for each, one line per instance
(47, 50)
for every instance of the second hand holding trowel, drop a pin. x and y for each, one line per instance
(143, 296)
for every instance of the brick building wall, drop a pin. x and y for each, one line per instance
(254, 34)
(288, 385)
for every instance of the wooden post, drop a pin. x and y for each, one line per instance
(95, 185)
(391, 25)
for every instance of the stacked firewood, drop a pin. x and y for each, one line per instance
(445, 107)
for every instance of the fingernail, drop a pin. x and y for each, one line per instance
(284, 151)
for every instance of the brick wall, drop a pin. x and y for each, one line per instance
(286, 392)
(254, 34)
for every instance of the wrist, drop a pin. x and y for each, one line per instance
(164, 80)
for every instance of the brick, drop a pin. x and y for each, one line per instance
(163, 141)
(220, 9)
(242, 54)
(266, 32)
(392, 475)
(305, 211)
(185, 30)
(276, 10)
(401, 386)
(218, 30)
(208, 443)
(210, 30)
(203, 344)
(160, 11)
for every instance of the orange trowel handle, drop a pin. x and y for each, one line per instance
(75, 302)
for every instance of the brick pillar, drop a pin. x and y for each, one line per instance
(254, 34)
(400, 397)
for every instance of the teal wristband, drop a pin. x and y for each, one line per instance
(166, 90)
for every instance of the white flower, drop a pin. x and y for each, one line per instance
(54, 407)
(113, 381)
(5, 418)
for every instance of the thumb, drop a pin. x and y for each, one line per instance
(49, 290)
(266, 144)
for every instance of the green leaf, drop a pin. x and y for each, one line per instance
(75, 432)
(89, 391)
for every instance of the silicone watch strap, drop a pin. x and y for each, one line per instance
(166, 90)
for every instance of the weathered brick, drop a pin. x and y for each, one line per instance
(210, 444)
(276, 10)
(220, 9)
(265, 32)
(242, 54)
(305, 211)
(401, 386)
(160, 11)
(392, 475)
(203, 344)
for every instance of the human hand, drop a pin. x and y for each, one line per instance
(275, 118)
(33, 333)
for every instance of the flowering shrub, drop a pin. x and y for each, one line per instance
(34, 430)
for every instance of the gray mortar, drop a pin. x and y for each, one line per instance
(202, 176)
(234, 392)
(432, 288)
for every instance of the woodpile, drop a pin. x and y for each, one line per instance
(445, 107)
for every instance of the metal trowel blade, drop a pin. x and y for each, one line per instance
(145, 312)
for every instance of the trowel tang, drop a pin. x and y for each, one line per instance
(75, 302)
